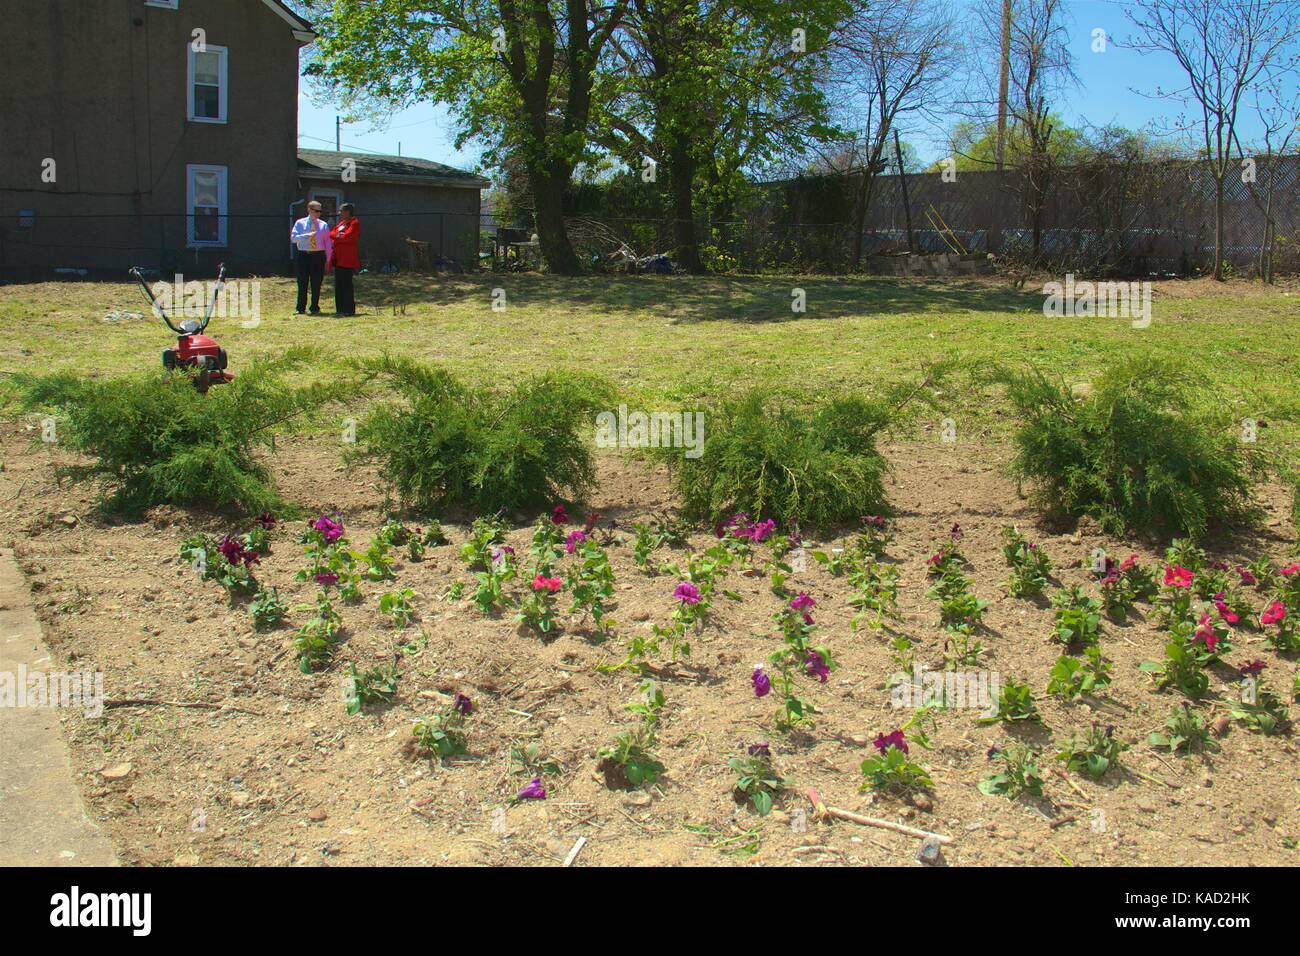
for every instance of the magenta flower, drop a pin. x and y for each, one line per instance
(816, 666)
(764, 530)
(231, 550)
(937, 558)
(687, 593)
(574, 539)
(501, 552)
(330, 530)
(534, 790)
(762, 683)
(1247, 578)
(956, 533)
(558, 516)
(1225, 612)
(1290, 569)
(592, 518)
(896, 740)
(873, 521)
(1275, 612)
(1254, 667)
(802, 602)
(326, 578)
(463, 704)
(266, 520)
(760, 750)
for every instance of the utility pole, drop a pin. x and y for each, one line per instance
(1004, 72)
(338, 135)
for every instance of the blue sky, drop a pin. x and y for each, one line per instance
(1110, 90)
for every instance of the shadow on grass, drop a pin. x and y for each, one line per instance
(690, 299)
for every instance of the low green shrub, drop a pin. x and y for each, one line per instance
(443, 444)
(767, 457)
(155, 440)
(1142, 452)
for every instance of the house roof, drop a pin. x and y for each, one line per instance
(402, 170)
(295, 21)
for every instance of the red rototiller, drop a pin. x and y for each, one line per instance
(195, 352)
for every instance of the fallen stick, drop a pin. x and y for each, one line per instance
(1073, 785)
(823, 811)
(1061, 821)
(573, 854)
(190, 704)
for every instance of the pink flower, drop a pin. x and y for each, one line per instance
(1177, 577)
(1290, 569)
(1129, 563)
(896, 740)
(687, 593)
(937, 558)
(1276, 612)
(1207, 634)
(543, 583)
(802, 602)
(1225, 612)
(592, 518)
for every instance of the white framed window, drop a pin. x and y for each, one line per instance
(166, 4)
(206, 202)
(329, 199)
(206, 84)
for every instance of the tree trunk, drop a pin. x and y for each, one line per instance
(1218, 228)
(548, 204)
(681, 182)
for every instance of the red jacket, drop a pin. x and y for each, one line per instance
(346, 236)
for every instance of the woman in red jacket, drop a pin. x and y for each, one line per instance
(346, 261)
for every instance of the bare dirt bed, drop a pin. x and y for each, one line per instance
(289, 778)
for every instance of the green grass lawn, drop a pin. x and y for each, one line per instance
(671, 340)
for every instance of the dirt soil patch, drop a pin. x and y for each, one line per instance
(281, 774)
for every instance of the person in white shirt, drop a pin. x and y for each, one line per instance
(311, 237)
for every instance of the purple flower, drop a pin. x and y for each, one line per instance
(762, 683)
(574, 539)
(760, 750)
(896, 740)
(534, 790)
(816, 666)
(764, 530)
(687, 593)
(802, 602)
(330, 530)
(463, 704)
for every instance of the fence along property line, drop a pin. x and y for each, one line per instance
(1129, 218)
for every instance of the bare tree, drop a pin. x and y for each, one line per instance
(891, 64)
(1278, 110)
(1224, 47)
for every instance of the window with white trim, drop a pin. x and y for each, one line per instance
(206, 202)
(206, 84)
(167, 4)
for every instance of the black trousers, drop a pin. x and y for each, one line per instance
(345, 302)
(311, 266)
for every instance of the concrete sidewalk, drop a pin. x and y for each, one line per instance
(42, 819)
